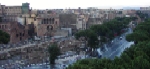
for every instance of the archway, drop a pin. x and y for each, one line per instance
(49, 27)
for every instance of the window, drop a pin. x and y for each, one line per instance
(23, 34)
(16, 35)
(6, 7)
(20, 34)
(56, 22)
(53, 20)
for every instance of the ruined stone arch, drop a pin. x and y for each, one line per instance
(49, 27)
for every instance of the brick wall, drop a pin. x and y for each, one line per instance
(17, 31)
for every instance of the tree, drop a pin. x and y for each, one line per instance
(135, 57)
(137, 36)
(101, 31)
(114, 27)
(4, 37)
(140, 33)
(54, 51)
(89, 36)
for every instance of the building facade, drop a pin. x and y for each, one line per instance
(10, 13)
(82, 22)
(16, 31)
(48, 24)
(41, 23)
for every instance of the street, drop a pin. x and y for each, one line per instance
(117, 47)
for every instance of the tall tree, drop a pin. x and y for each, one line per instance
(4, 37)
(90, 36)
(54, 51)
(135, 57)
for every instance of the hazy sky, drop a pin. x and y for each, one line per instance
(51, 4)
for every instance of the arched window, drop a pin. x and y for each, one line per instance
(44, 21)
(53, 20)
(50, 20)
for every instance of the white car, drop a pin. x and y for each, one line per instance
(120, 38)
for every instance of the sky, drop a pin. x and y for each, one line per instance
(65, 4)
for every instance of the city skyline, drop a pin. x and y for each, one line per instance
(65, 4)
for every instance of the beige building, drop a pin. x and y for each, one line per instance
(12, 10)
(48, 23)
(10, 13)
(111, 16)
(81, 22)
(43, 23)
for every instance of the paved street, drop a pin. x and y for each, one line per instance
(117, 47)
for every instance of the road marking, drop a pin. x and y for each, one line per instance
(117, 49)
(124, 47)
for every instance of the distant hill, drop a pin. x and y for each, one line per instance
(128, 8)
